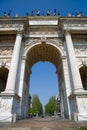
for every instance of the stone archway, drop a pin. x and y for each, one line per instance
(43, 39)
(47, 52)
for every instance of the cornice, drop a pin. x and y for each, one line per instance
(61, 18)
(31, 22)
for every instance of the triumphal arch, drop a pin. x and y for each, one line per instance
(27, 40)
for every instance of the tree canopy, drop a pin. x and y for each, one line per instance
(52, 106)
(36, 108)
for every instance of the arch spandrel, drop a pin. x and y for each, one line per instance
(29, 44)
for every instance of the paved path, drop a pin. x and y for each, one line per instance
(47, 123)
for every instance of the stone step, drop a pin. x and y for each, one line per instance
(35, 128)
(15, 128)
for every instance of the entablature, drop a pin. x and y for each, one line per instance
(74, 24)
(43, 24)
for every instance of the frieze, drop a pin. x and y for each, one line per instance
(5, 60)
(74, 23)
(6, 50)
(80, 46)
(43, 33)
(79, 41)
(80, 50)
(11, 25)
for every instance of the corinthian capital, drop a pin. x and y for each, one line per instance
(67, 32)
(19, 32)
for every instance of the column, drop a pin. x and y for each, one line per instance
(67, 89)
(12, 76)
(74, 71)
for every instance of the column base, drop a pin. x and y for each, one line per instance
(6, 117)
(8, 91)
(9, 107)
(78, 106)
(8, 94)
(80, 117)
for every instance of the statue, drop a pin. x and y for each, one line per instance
(27, 14)
(37, 12)
(79, 14)
(58, 14)
(7, 14)
(32, 13)
(54, 12)
(48, 12)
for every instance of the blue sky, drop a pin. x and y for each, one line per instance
(62, 6)
(43, 79)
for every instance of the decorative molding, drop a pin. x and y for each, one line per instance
(43, 39)
(3, 25)
(84, 62)
(80, 50)
(6, 50)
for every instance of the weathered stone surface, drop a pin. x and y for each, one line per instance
(43, 39)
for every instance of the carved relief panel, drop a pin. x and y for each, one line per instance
(6, 50)
(80, 46)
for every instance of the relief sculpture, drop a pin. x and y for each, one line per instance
(6, 51)
(80, 50)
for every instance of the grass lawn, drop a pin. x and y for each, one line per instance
(84, 128)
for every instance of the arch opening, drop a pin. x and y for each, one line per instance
(3, 78)
(44, 81)
(83, 73)
(46, 53)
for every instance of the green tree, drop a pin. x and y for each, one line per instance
(36, 106)
(51, 106)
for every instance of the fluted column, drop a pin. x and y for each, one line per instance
(74, 71)
(12, 76)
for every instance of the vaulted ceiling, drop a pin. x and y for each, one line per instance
(43, 52)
